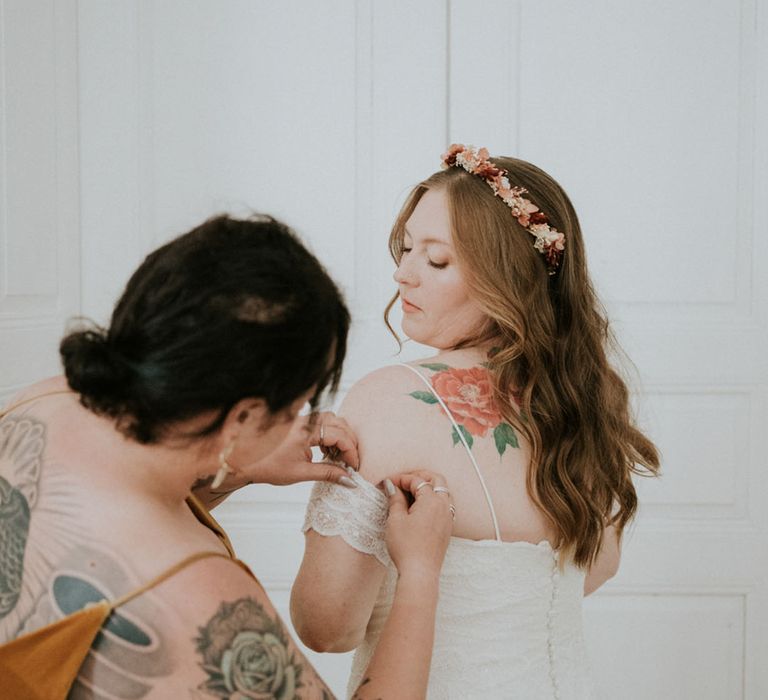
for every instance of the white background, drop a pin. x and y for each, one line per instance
(126, 122)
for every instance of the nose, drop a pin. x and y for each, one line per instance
(405, 272)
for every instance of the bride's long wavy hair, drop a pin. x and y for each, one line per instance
(551, 342)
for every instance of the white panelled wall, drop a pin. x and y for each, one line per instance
(124, 122)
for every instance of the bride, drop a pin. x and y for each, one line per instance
(519, 410)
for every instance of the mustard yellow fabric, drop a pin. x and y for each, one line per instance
(43, 664)
(205, 518)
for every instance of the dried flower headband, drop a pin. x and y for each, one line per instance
(549, 242)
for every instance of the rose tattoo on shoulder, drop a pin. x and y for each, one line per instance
(468, 395)
(246, 656)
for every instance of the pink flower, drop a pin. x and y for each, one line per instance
(525, 207)
(467, 159)
(449, 157)
(487, 170)
(468, 393)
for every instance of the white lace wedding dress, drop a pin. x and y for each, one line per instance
(509, 617)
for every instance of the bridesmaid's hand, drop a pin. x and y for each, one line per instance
(291, 462)
(418, 535)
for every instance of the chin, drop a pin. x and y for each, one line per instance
(423, 338)
(414, 333)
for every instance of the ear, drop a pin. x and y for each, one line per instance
(245, 413)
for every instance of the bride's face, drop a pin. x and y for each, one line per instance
(437, 308)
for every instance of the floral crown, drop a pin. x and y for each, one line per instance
(549, 242)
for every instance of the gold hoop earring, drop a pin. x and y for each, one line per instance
(224, 466)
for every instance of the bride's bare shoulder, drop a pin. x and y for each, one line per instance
(393, 414)
(385, 384)
(393, 383)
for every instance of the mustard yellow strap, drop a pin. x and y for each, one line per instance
(204, 516)
(5, 411)
(165, 575)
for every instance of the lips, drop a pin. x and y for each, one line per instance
(409, 306)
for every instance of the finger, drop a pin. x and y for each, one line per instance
(335, 438)
(412, 480)
(343, 443)
(327, 420)
(406, 480)
(313, 425)
(439, 480)
(398, 504)
(338, 422)
(433, 478)
(327, 471)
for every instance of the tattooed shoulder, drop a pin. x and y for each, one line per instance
(52, 566)
(467, 394)
(245, 652)
(22, 444)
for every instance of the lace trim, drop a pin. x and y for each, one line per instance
(358, 516)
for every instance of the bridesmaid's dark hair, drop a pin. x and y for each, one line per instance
(232, 309)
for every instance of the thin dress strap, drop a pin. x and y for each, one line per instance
(157, 580)
(463, 442)
(11, 408)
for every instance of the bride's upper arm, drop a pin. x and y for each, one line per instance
(334, 593)
(343, 565)
(379, 413)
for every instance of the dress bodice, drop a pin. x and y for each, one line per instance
(509, 616)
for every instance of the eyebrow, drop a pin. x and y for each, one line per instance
(427, 240)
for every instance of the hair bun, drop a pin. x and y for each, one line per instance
(95, 370)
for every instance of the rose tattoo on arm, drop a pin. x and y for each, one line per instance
(246, 654)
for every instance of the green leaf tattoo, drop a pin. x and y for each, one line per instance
(436, 366)
(467, 436)
(424, 396)
(504, 434)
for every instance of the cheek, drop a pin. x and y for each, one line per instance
(450, 294)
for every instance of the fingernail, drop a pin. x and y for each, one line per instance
(389, 487)
(350, 470)
(346, 481)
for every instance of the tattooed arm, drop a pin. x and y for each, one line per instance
(244, 650)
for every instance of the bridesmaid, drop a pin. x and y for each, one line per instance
(115, 581)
